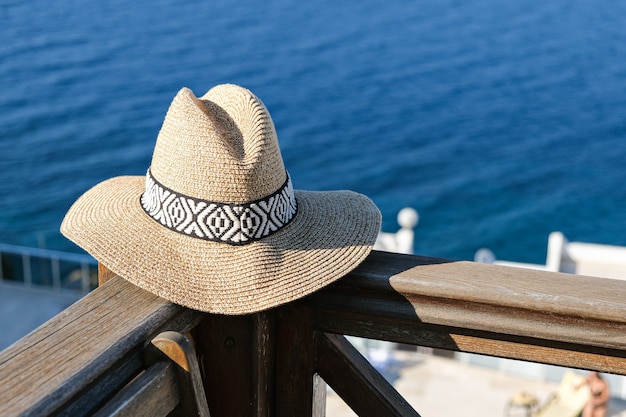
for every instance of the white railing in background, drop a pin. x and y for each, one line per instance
(401, 241)
(591, 259)
(47, 268)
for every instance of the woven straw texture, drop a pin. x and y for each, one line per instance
(223, 148)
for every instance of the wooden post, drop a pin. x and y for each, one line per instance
(104, 274)
(263, 328)
(236, 356)
(261, 365)
(299, 391)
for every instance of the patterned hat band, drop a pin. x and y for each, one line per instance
(235, 224)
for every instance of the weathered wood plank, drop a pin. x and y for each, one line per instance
(96, 392)
(50, 365)
(480, 308)
(463, 340)
(152, 393)
(319, 397)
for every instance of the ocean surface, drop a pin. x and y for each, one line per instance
(499, 121)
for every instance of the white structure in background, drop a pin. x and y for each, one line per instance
(378, 352)
(591, 259)
(402, 240)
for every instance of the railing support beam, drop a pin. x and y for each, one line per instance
(300, 392)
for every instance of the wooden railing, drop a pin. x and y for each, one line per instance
(276, 363)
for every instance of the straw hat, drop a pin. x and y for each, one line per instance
(215, 225)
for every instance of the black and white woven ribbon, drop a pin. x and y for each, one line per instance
(235, 224)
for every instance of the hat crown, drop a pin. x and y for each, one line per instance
(221, 147)
(215, 224)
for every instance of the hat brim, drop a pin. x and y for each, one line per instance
(332, 232)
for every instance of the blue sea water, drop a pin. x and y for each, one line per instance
(499, 121)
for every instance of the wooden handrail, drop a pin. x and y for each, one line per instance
(104, 330)
(539, 316)
(265, 364)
